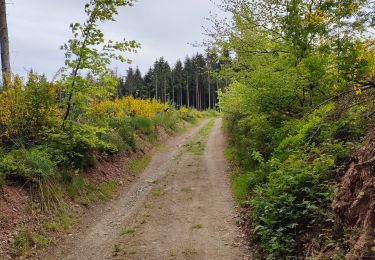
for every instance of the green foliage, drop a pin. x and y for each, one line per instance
(240, 186)
(88, 50)
(2, 179)
(144, 125)
(294, 108)
(32, 165)
(75, 144)
(169, 121)
(127, 133)
(292, 189)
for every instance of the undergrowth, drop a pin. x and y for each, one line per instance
(290, 188)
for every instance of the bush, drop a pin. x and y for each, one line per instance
(2, 179)
(31, 165)
(144, 125)
(169, 121)
(74, 145)
(292, 185)
(125, 131)
(26, 109)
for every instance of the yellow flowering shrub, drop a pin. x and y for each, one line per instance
(119, 108)
(25, 109)
(183, 110)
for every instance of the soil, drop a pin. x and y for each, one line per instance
(179, 207)
(355, 202)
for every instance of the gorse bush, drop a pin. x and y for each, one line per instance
(25, 109)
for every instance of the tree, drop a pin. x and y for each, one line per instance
(4, 42)
(88, 49)
(178, 82)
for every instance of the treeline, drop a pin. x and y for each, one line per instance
(300, 100)
(191, 83)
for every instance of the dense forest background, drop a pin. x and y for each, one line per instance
(191, 83)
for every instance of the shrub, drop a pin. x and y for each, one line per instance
(169, 121)
(28, 165)
(76, 143)
(127, 133)
(143, 125)
(2, 179)
(26, 109)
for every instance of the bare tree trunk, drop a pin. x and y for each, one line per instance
(196, 92)
(165, 90)
(209, 91)
(180, 95)
(173, 100)
(4, 42)
(187, 94)
(156, 95)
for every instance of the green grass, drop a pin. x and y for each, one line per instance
(25, 240)
(240, 186)
(61, 223)
(196, 145)
(157, 192)
(136, 166)
(93, 193)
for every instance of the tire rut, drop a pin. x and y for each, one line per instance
(102, 226)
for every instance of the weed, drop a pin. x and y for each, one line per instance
(148, 205)
(138, 165)
(196, 145)
(104, 191)
(197, 226)
(189, 252)
(128, 232)
(25, 240)
(157, 192)
(186, 190)
(61, 223)
(116, 250)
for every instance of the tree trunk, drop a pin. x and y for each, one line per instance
(156, 95)
(209, 91)
(187, 94)
(196, 93)
(4, 42)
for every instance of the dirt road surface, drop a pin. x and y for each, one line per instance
(181, 207)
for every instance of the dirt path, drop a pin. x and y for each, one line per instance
(181, 207)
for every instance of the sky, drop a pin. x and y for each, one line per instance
(38, 28)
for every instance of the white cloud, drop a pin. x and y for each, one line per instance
(163, 27)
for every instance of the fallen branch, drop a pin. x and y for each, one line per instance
(364, 88)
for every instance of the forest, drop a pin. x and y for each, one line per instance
(192, 83)
(294, 82)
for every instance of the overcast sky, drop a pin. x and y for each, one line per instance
(37, 28)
